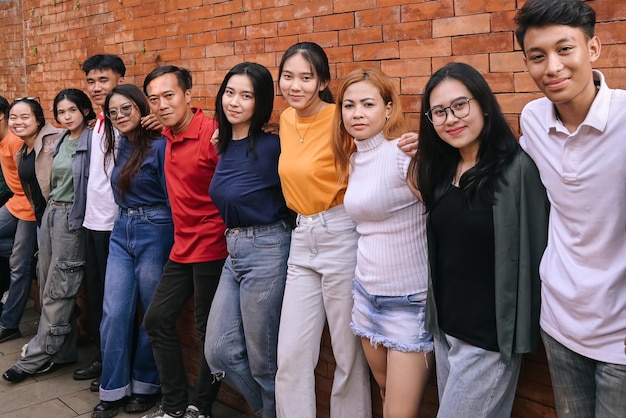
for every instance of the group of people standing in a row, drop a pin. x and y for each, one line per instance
(472, 246)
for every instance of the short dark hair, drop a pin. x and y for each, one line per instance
(79, 98)
(182, 75)
(4, 107)
(318, 59)
(105, 62)
(537, 13)
(263, 86)
(35, 107)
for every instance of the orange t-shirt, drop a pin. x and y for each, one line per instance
(18, 205)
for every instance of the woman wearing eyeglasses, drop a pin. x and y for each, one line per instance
(53, 166)
(141, 240)
(487, 229)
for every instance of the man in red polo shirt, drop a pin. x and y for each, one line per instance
(199, 251)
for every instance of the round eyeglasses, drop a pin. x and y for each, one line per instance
(460, 108)
(124, 110)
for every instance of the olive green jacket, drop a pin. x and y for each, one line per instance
(520, 219)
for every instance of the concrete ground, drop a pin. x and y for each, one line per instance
(56, 395)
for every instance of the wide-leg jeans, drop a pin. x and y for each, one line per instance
(320, 270)
(139, 246)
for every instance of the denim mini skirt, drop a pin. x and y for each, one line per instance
(395, 322)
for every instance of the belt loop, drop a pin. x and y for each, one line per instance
(323, 218)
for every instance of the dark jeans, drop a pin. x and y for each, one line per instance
(178, 283)
(96, 254)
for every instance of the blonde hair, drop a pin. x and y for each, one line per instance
(343, 143)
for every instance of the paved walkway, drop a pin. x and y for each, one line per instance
(56, 395)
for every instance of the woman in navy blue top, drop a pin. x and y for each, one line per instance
(242, 330)
(141, 240)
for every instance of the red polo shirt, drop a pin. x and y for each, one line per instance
(190, 161)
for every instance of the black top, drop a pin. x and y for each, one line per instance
(465, 262)
(26, 172)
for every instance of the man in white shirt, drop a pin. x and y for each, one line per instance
(104, 72)
(575, 136)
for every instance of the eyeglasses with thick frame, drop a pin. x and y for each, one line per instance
(124, 110)
(460, 108)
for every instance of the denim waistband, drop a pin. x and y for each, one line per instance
(64, 205)
(256, 229)
(328, 214)
(142, 209)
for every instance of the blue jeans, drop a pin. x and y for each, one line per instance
(473, 382)
(140, 244)
(61, 268)
(584, 387)
(242, 330)
(20, 256)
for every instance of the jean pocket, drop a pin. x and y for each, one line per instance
(343, 227)
(56, 337)
(158, 218)
(67, 278)
(267, 240)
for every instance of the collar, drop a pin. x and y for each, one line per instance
(370, 143)
(192, 131)
(598, 115)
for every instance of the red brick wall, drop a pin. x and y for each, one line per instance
(44, 43)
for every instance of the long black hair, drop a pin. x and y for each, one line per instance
(433, 168)
(143, 138)
(263, 86)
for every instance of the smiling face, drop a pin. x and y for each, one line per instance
(70, 116)
(22, 122)
(100, 83)
(559, 59)
(462, 134)
(363, 110)
(238, 103)
(124, 115)
(300, 86)
(169, 102)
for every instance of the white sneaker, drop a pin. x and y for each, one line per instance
(160, 413)
(193, 412)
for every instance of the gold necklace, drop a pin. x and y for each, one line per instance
(295, 120)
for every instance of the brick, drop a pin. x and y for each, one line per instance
(463, 25)
(464, 7)
(419, 48)
(312, 8)
(277, 14)
(406, 31)
(350, 6)
(323, 39)
(280, 43)
(377, 17)
(227, 8)
(249, 46)
(406, 67)
(413, 85)
(361, 35)
(423, 10)
(478, 44)
(295, 27)
(334, 22)
(266, 30)
(220, 49)
(503, 21)
(612, 56)
(478, 61)
(506, 62)
(380, 51)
